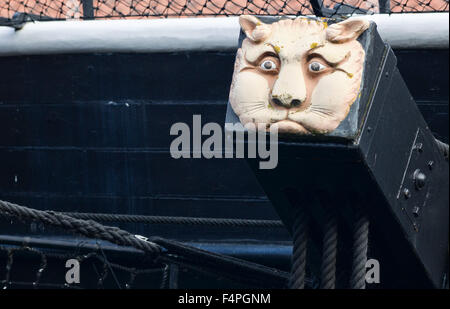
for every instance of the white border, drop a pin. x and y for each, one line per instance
(414, 30)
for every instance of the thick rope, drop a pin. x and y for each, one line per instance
(360, 246)
(102, 217)
(329, 253)
(300, 239)
(194, 258)
(87, 228)
(443, 147)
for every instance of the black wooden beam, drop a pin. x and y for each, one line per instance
(88, 9)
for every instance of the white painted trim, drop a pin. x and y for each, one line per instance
(418, 30)
(413, 30)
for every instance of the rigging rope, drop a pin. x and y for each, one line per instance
(161, 250)
(329, 252)
(88, 228)
(300, 239)
(175, 220)
(443, 147)
(360, 246)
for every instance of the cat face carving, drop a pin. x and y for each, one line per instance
(300, 74)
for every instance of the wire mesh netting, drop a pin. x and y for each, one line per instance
(113, 9)
(33, 267)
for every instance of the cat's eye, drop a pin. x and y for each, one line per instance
(268, 65)
(316, 67)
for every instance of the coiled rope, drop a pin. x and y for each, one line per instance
(300, 243)
(360, 246)
(329, 252)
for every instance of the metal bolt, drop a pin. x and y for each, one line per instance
(419, 147)
(415, 211)
(419, 179)
(406, 193)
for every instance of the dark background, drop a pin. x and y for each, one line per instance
(90, 133)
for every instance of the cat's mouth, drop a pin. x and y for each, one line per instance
(287, 125)
(290, 126)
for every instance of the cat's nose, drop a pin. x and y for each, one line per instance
(288, 103)
(289, 90)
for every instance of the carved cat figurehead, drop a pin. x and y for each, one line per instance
(299, 73)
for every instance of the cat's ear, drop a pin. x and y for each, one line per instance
(347, 30)
(253, 28)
